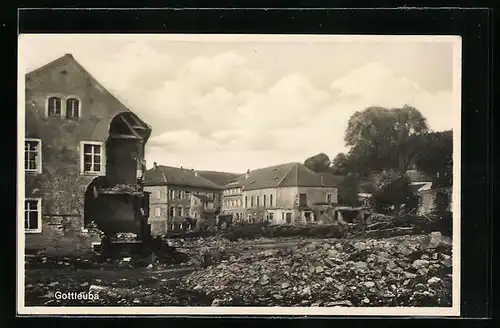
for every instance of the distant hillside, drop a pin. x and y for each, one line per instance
(220, 178)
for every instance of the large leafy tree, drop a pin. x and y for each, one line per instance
(340, 164)
(435, 156)
(382, 138)
(318, 163)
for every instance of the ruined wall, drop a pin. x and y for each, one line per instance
(60, 185)
(318, 194)
(121, 161)
(185, 201)
(60, 235)
(285, 197)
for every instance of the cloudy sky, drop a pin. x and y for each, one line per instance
(236, 103)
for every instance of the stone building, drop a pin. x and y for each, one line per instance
(179, 194)
(83, 160)
(282, 194)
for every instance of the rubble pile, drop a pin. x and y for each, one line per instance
(399, 271)
(132, 289)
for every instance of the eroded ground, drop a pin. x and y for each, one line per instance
(397, 271)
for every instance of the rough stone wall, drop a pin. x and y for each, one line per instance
(61, 236)
(60, 185)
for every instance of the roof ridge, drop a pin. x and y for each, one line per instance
(163, 175)
(51, 63)
(287, 173)
(86, 71)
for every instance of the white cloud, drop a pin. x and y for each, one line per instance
(374, 84)
(292, 119)
(219, 112)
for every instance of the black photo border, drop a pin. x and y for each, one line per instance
(474, 25)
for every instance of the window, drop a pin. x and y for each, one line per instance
(33, 215)
(179, 211)
(33, 155)
(251, 201)
(246, 201)
(270, 200)
(72, 108)
(54, 106)
(171, 194)
(171, 210)
(258, 201)
(302, 199)
(157, 194)
(195, 214)
(328, 198)
(92, 157)
(188, 194)
(271, 217)
(157, 212)
(264, 200)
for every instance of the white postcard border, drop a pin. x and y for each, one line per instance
(454, 310)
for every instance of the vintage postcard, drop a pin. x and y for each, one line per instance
(239, 175)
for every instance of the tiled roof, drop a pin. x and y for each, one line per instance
(220, 178)
(284, 175)
(164, 175)
(204, 198)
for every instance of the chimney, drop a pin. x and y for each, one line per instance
(195, 173)
(248, 174)
(155, 165)
(181, 168)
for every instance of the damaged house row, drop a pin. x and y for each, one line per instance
(288, 193)
(83, 161)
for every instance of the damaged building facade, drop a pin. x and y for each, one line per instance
(283, 194)
(83, 160)
(180, 197)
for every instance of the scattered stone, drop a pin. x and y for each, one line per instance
(369, 284)
(434, 281)
(410, 275)
(306, 291)
(360, 265)
(216, 302)
(435, 239)
(285, 285)
(339, 303)
(418, 264)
